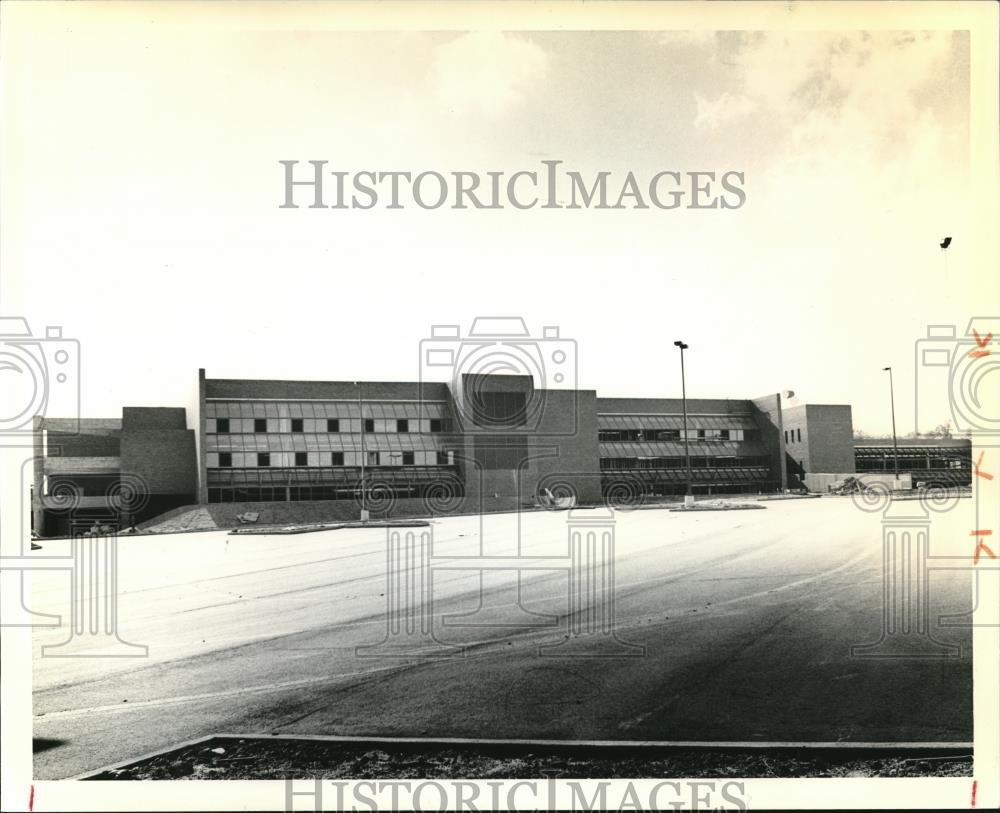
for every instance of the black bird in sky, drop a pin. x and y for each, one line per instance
(946, 242)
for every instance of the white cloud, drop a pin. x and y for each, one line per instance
(722, 110)
(487, 72)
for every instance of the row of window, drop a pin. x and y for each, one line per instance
(223, 426)
(697, 462)
(793, 435)
(629, 435)
(337, 459)
(312, 492)
(910, 463)
(346, 409)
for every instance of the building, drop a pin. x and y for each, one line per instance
(114, 471)
(479, 442)
(819, 439)
(822, 451)
(493, 438)
(929, 461)
(734, 445)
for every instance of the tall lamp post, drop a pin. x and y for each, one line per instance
(684, 409)
(361, 413)
(892, 403)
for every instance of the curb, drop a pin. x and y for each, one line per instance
(867, 748)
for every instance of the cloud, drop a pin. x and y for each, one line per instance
(487, 72)
(871, 79)
(722, 110)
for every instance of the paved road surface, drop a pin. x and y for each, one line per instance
(747, 619)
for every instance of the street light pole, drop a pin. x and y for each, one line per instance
(361, 414)
(684, 410)
(892, 402)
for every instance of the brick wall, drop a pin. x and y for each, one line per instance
(821, 437)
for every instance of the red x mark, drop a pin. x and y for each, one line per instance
(982, 546)
(984, 474)
(982, 342)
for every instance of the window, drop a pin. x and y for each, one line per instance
(225, 460)
(369, 425)
(786, 436)
(332, 424)
(407, 458)
(302, 458)
(296, 424)
(372, 458)
(260, 425)
(337, 459)
(437, 425)
(263, 458)
(402, 425)
(442, 459)
(222, 426)
(611, 435)
(495, 409)
(798, 433)
(724, 434)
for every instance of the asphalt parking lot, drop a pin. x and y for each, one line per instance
(728, 627)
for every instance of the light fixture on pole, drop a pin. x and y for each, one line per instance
(892, 403)
(687, 456)
(361, 414)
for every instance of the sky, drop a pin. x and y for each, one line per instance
(142, 186)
